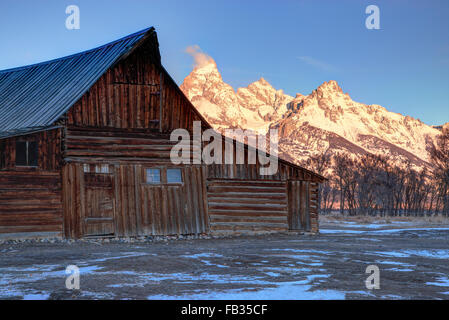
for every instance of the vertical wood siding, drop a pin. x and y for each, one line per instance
(251, 171)
(299, 205)
(314, 206)
(139, 208)
(137, 93)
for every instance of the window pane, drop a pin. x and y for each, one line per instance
(33, 153)
(174, 176)
(102, 168)
(21, 153)
(153, 175)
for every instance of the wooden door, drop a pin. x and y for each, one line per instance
(298, 205)
(100, 209)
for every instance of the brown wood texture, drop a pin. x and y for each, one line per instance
(49, 147)
(130, 96)
(242, 206)
(30, 197)
(115, 145)
(302, 213)
(99, 197)
(250, 169)
(30, 201)
(137, 208)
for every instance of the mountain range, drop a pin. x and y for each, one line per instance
(324, 120)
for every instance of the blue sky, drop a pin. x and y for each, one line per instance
(295, 45)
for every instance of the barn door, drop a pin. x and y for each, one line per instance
(298, 205)
(99, 197)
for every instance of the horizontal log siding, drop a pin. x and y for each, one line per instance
(95, 145)
(242, 206)
(30, 197)
(30, 201)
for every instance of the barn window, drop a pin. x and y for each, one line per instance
(103, 168)
(153, 176)
(26, 153)
(174, 176)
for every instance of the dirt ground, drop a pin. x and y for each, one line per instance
(413, 259)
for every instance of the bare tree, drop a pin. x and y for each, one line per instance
(440, 158)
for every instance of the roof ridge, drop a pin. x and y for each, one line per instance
(135, 34)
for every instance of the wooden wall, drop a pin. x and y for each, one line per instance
(30, 202)
(30, 197)
(106, 145)
(50, 156)
(247, 206)
(257, 206)
(139, 208)
(314, 206)
(250, 170)
(171, 209)
(299, 205)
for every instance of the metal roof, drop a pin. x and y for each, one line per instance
(35, 96)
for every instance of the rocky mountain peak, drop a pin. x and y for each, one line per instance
(311, 124)
(262, 82)
(329, 87)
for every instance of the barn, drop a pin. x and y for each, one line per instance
(85, 152)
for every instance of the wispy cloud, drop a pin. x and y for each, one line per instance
(201, 59)
(318, 64)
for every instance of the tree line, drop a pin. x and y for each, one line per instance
(374, 185)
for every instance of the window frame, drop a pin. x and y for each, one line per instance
(152, 183)
(97, 168)
(163, 176)
(28, 143)
(174, 183)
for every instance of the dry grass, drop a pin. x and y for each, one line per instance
(334, 217)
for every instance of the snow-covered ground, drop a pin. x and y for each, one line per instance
(413, 263)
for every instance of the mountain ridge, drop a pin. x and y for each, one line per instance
(325, 119)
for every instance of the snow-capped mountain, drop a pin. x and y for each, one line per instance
(255, 107)
(327, 119)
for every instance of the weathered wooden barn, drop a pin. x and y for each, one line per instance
(85, 151)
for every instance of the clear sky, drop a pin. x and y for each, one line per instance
(295, 45)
